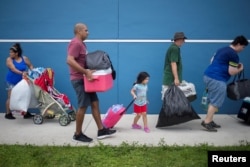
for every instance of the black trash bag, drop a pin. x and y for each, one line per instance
(176, 108)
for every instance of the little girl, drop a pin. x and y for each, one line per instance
(139, 93)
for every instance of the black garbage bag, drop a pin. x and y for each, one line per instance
(176, 108)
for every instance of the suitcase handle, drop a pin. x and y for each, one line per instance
(132, 101)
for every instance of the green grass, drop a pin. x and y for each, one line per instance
(125, 155)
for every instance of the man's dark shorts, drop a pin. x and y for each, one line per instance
(84, 99)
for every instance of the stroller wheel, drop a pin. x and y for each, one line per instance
(64, 120)
(38, 119)
(72, 115)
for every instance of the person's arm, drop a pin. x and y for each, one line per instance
(28, 63)
(175, 73)
(234, 69)
(73, 63)
(133, 93)
(11, 66)
(174, 59)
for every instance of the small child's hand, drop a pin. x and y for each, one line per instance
(134, 96)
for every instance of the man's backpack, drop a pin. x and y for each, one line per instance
(99, 60)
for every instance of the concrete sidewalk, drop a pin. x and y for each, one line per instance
(50, 132)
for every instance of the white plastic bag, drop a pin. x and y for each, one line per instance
(189, 90)
(20, 96)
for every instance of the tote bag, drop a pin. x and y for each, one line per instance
(20, 96)
(239, 88)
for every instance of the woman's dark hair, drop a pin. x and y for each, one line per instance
(240, 40)
(17, 49)
(141, 77)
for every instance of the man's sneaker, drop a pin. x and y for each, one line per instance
(215, 125)
(28, 115)
(208, 126)
(104, 133)
(9, 116)
(81, 138)
(136, 126)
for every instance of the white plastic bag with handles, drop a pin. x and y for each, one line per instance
(189, 90)
(20, 96)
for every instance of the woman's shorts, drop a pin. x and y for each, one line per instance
(9, 86)
(140, 109)
(216, 91)
(84, 99)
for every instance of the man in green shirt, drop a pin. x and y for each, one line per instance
(173, 65)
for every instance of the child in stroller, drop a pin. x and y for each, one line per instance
(51, 102)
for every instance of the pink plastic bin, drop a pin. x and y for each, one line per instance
(102, 81)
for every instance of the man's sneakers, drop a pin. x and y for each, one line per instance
(104, 133)
(211, 127)
(81, 138)
(215, 125)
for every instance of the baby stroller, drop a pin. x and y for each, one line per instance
(51, 102)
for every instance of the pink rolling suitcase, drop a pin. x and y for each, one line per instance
(114, 114)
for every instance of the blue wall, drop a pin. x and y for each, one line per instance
(132, 20)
